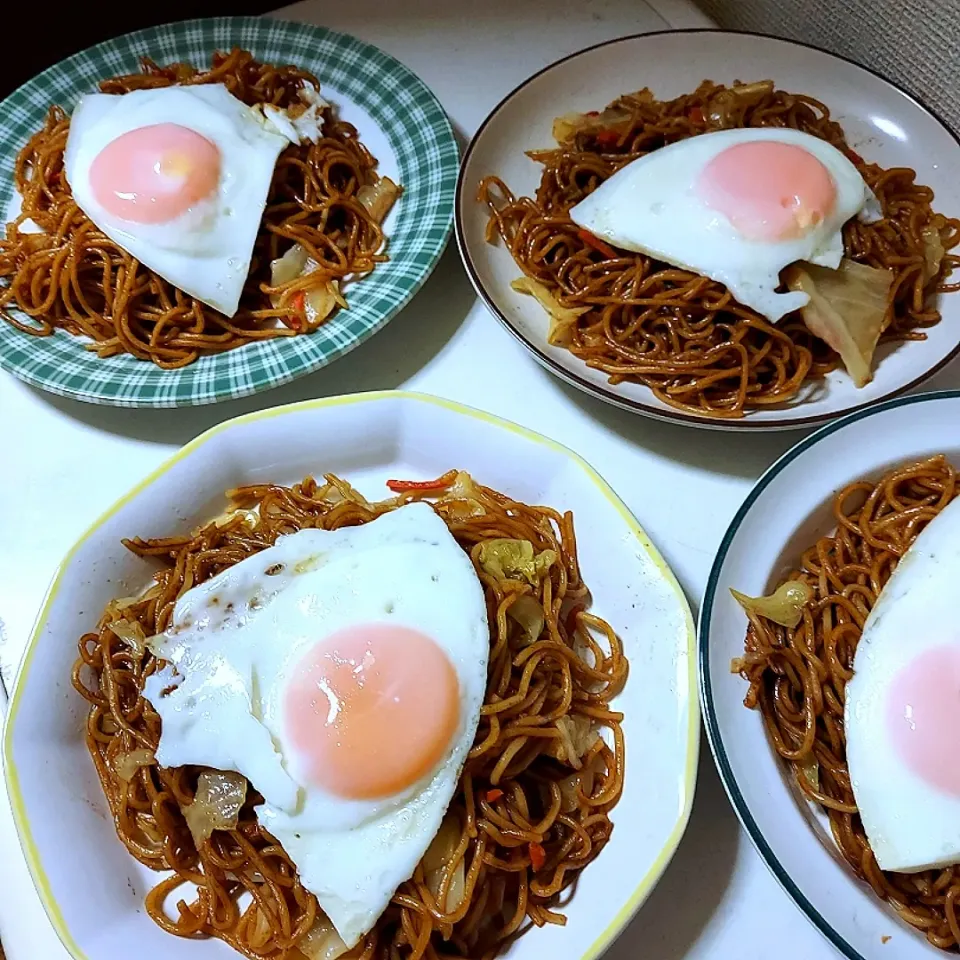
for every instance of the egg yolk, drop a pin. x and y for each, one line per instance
(155, 174)
(923, 716)
(372, 709)
(768, 190)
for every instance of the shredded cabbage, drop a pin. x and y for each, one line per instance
(565, 128)
(126, 765)
(784, 606)
(514, 560)
(302, 121)
(216, 804)
(847, 310)
(563, 320)
(131, 633)
(577, 735)
(726, 105)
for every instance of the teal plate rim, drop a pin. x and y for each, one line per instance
(711, 723)
(405, 109)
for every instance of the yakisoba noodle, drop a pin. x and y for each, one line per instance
(798, 676)
(72, 277)
(676, 332)
(532, 808)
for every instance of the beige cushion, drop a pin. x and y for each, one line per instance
(916, 43)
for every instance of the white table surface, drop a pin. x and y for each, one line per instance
(62, 463)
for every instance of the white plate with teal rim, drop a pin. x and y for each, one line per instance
(397, 117)
(788, 509)
(83, 873)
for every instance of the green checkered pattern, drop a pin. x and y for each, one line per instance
(408, 113)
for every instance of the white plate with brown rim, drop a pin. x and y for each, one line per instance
(883, 123)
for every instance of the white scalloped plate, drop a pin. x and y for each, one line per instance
(90, 886)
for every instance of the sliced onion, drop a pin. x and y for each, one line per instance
(527, 611)
(784, 606)
(570, 124)
(121, 603)
(580, 782)
(933, 249)
(437, 859)
(216, 805)
(379, 198)
(460, 510)
(810, 769)
(258, 936)
(461, 500)
(464, 487)
(733, 99)
(340, 490)
(126, 765)
(288, 267)
(320, 302)
(322, 942)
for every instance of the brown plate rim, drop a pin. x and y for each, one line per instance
(607, 393)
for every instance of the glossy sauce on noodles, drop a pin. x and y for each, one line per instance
(678, 333)
(533, 804)
(72, 277)
(798, 676)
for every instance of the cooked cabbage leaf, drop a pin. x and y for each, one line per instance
(847, 310)
(216, 804)
(515, 560)
(563, 319)
(933, 248)
(784, 606)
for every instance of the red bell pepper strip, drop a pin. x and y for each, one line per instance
(587, 237)
(538, 856)
(405, 486)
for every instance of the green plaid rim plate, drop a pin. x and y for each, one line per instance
(409, 117)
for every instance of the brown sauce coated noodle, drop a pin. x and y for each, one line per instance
(798, 676)
(679, 333)
(73, 277)
(533, 804)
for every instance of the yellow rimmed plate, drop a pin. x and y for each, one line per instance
(90, 886)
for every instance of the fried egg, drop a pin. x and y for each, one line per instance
(178, 177)
(902, 708)
(342, 673)
(736, 206)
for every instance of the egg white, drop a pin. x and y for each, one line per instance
(206, 251)
(233, 645)
(651, 206)
(911, 824)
